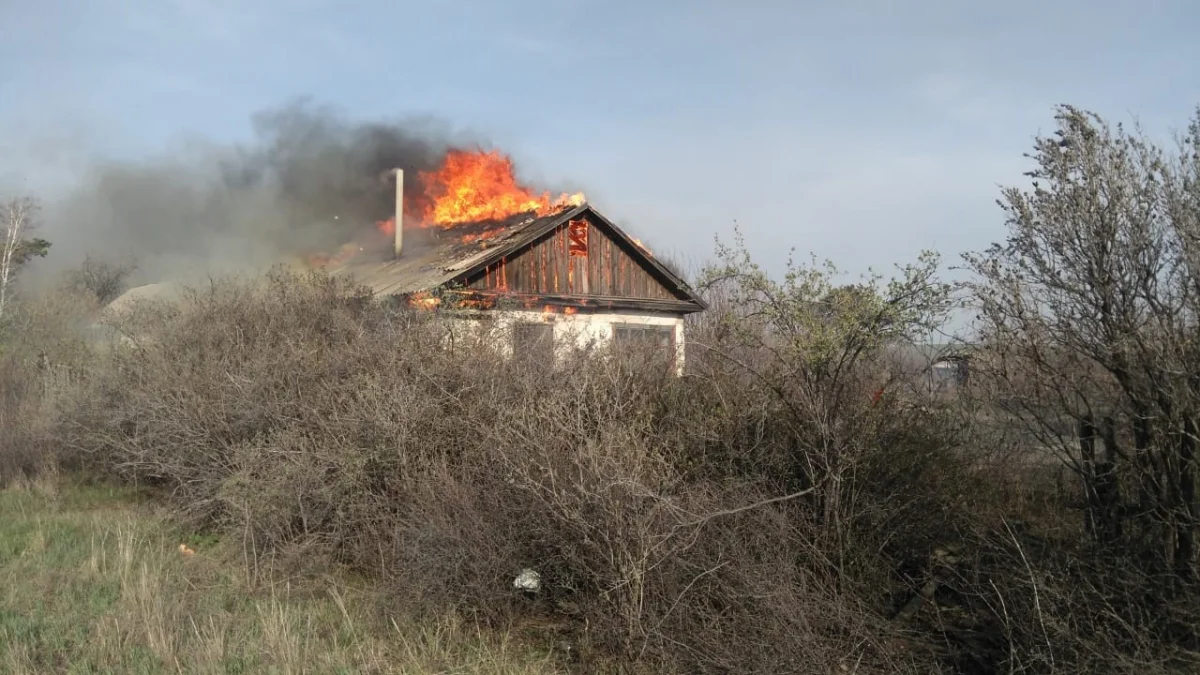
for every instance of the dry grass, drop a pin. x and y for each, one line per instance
(92, 580)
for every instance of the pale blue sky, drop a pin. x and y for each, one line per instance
(860, 131)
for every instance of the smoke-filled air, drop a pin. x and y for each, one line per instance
(308, 182)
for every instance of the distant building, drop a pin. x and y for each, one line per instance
(935, 368)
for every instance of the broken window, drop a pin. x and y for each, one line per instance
(655, 343)
(577, 239)
(534, 342)
(662, 337)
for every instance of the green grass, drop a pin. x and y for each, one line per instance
(92, 580)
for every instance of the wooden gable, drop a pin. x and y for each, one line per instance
(582, 257)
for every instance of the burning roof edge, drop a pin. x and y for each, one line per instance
(397, 278)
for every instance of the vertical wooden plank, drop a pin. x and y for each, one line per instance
(612, 269)
(618, 269)
(591, 262)
(534, 274)
(622, 271)
(553, 264)
(542, 264)
(585, 271)
(605, 268)
(631, 272)
(601, 266)
(561, 251)
(572, 282)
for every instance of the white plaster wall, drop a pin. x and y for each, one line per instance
(581, 330)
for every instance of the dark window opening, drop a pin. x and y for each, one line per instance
(534, 342)
(644, 336)
(654, 343)
(949, 373)
(577, 238)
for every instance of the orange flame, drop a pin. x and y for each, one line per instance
(475, 186)
(551, 309)
(423, 300)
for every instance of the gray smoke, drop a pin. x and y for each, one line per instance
(309, 181)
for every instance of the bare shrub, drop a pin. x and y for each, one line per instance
(665, 515)
(20, 452)
(103, 279)
(798, 502)
(44, 359)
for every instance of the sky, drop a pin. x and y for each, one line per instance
(862, 132)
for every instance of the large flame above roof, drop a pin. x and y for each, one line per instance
(473, 186)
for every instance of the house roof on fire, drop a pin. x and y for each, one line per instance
(432, 258)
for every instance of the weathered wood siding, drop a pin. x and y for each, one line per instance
(558, 265)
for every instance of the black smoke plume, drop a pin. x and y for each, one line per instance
(310, 181)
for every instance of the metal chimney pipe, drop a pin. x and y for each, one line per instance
(399, 211)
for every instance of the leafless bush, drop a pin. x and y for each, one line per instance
(43, 359)
(664, 514)
(770, 511)
(106, 280)
(20, 453)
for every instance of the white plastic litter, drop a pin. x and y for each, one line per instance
(528, 580)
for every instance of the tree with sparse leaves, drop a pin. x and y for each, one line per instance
(818, 350)
(1090, 315)
(18, 219)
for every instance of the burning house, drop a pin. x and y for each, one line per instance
(551, 272)
(469, 241)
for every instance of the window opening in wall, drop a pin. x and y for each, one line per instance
(534, 342)
(577, 238)
(645, 336)
(655, 342)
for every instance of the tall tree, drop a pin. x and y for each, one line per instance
(1090, 314)
(18, 219)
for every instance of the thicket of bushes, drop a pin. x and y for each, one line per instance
(765, 513)
(318, 425)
